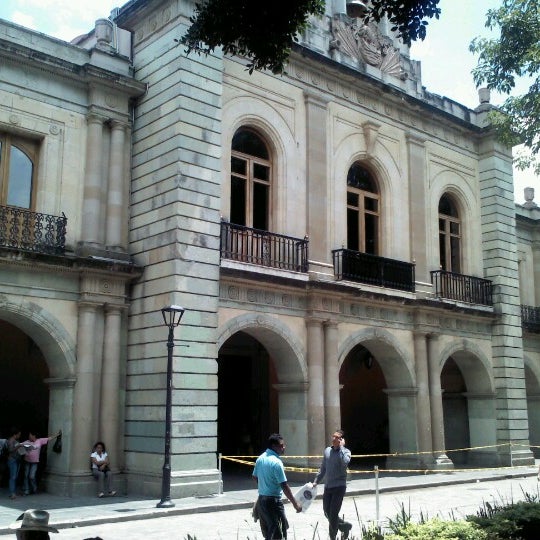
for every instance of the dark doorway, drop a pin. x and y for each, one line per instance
(364, 408)
(25, 397)
(248, 408)
(456, 412)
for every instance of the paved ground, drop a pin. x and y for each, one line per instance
(227, 517)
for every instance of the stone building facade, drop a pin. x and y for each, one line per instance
(345, 244)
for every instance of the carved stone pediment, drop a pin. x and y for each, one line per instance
(366, 44)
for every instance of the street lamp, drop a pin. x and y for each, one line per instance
(172, 315)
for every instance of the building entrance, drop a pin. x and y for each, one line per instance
(364, 407)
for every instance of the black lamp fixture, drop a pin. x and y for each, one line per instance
(172, 315)
(356, 8)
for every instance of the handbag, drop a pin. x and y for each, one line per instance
(57, 447)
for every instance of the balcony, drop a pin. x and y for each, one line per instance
(263, 248)
(530, 319)
(469, 289)
(373, 270)
(32, 231)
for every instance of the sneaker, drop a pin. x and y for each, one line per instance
(112, 493)
(345, 528)
(13, 496)
(101, 494)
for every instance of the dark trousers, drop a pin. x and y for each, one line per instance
(332, 501)
(272, 514)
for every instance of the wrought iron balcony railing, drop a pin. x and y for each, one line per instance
(470, 289)
(371, 269)
(32, 231)
(263, 248)
(530, 318)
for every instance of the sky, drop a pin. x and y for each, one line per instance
(446, 60)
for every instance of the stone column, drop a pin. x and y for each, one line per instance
(423, 406)
(315, 350)
(93, 189)
(437, 416)
(86, 396)
(115, 193)
(109, 422)
(332, 404)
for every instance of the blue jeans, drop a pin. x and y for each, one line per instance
(13, 467)
(30, 470)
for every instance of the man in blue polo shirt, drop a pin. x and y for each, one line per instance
(269, 474)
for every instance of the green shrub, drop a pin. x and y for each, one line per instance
(436, 529)
(516, 521)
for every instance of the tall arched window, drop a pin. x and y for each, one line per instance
(251, 174)
(363, 210)
(17, 170)
(449, 235)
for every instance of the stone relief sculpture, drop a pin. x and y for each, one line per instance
(365, 43)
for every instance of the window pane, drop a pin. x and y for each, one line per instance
(360, 178)
(238, 166)
(371, 204)
(442, 225)
(352, 230)
(260, 205)
(352, 199)
(455, 254)
(371, 234)
(238, 201)
(261, 172)
(454, 228)
(247, 142)
(442, 251)
(20, 179)
(447, 207)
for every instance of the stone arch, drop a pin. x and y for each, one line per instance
(475, 366)
(395, 361)
(57, 346)
(469, 416)
(277, 338)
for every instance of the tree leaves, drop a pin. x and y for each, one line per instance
(514, 53)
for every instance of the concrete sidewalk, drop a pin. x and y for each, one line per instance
(67, 512)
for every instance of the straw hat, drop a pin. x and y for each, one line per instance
(33, 520)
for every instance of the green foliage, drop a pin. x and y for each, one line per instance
(436, 529)
(406, 16)
(264, 31)
(516, 521)
(515, 53)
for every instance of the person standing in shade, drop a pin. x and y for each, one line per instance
(13, 460)
(31, 459)
(269, 474)
(334, 465)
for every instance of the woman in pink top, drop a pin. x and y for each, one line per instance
(31, 459)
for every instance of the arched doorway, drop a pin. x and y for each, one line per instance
(456, 412)
(248, 408)
(364, 406)
(25, 395)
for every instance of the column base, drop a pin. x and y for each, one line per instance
(198, 483)
(81, 484)
(442, 462)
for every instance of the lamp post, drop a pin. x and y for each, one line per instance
(172, 315)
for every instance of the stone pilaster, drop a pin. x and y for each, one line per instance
(442, 461)
(115, 194)
(315, 355)
(499, 247)
(332, 404)
(93, 188)
(423, 407)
